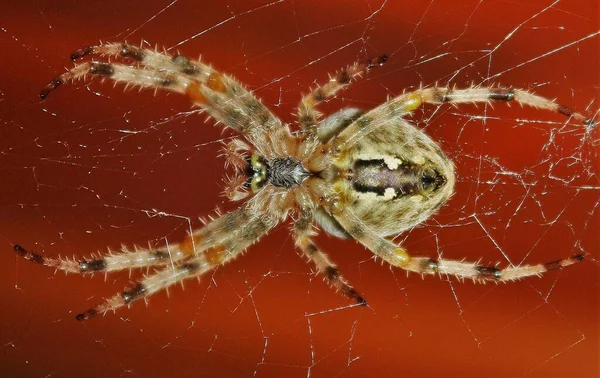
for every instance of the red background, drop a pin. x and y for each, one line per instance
(92, 167)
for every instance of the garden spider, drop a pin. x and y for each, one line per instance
(358, 175)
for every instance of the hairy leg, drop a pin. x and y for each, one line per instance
(302, 236)
(197, 265)
(399, 257)
(219, 95)
(218, 242)
(110, 262)
(307, 113)
(405, 104)
(214, 233)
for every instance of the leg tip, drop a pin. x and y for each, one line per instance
(361, 301)
(352, 294)
(28, 255)
(55, 83)
(19, 250)
(377, 61)
(86, 315)
(559, 264)
(82, 52)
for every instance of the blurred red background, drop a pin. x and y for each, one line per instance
(93, 167)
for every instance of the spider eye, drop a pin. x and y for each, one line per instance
(257, 162)
(259, 177)
(256, 183)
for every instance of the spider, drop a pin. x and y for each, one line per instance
(358, 175)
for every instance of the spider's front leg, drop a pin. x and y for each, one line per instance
(219, 95)
(217, 243)
(111, 262)
(235, 237)
(202, 239)
(302, 236)
(399, 257)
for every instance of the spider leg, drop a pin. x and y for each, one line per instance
(486, 94)
(441, 95)
(160, 280)
(302, 234)
(307, 113)
(111, 262)
(336, 122)
(399, 257)
(120, 73)
(213, 234)
(483, 273)
(219, 95)
(149, 59)
(405, 104)
(232, 243)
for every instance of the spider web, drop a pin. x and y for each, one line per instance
(92, 167)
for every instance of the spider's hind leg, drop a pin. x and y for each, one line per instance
(485, 273)
(397, 256)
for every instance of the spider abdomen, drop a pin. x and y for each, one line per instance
(398, 176)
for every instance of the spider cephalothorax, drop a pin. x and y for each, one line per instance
(358, 175)
(284, 172)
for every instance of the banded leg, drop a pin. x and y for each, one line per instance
(195, 266)
(440, 95)
(307, 113)
(399, 257)
(381, 247)
(324, 266)
(126, 259)
(149, 58)
(405, 104)
(214, 233)
(335, 123)
(158, 281)
(484, 273)
(120, 73)
(219, 95)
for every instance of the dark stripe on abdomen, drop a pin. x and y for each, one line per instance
(374, 176)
